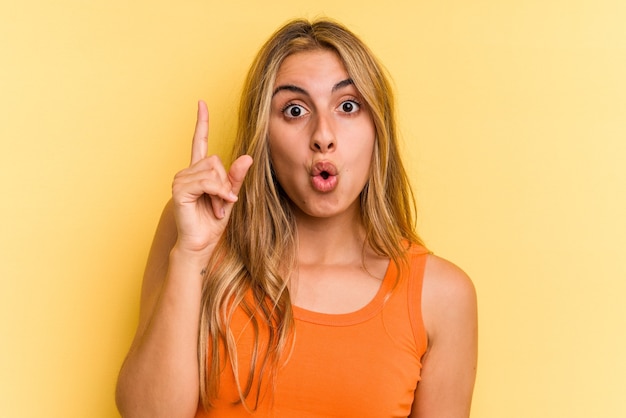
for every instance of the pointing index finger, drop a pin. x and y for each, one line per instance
(199, 144)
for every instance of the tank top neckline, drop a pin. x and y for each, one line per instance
(351, 318)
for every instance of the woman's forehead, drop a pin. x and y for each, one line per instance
(320, 61)
(318, 69)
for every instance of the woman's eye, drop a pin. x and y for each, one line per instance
(294, 111)
(349, 106)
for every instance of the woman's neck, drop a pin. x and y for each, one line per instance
(336, 240)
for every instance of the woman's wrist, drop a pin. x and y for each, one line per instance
(190, 259)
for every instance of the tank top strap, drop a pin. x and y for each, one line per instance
(417, 263)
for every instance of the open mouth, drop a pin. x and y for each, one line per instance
(324, 176)
(324, 169)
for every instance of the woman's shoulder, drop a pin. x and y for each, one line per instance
(442, 280)
(444, 275)
(448, 294)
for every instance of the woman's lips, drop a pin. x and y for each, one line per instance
(324, 176)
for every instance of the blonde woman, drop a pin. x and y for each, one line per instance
(293, 284)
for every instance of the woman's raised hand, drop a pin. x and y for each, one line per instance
(204, 193)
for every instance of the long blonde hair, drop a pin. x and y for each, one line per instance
(250, 267)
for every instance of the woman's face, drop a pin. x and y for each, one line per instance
(321, 135)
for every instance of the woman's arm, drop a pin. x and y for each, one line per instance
(160, 376)
(449, 365)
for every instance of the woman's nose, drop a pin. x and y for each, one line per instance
(323, 137)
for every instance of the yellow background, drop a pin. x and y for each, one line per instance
(512, 115)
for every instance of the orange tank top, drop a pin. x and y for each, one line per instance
(361, 364)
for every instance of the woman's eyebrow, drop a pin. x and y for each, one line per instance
(290, 87)
(342, 84)
(295, 89)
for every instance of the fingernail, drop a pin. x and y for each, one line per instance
(233, 196)
(222, 213)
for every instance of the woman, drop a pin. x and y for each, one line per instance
(295, 285)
